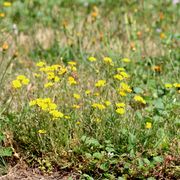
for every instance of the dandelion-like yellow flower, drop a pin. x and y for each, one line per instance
(125, 87)
(120, 105)
(16, 84)
(76, 106)
(76, 96)
(126, 60)
(87, 92)
(7, 4)
(40, 64)
(72, 63)
(42, 131)
(98, 106)
(108, 60)
(92, 59)
(56, 114)
(119, 77)
(2, 15)
(168, 85)
(120, 110)
(49, 84)
(176, 85)
(139, 99)
(71, 80)
(148, 125)
(100, 83)
(107, 103)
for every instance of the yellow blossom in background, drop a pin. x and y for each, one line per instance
(120, 69)
(7, 4)
(120, 110)
(62, 71)
(168, 85)
(76, 106)
(162, 36)
(23, 79)
(139, 99)
(78, 122)
(40, 64)
(67, 117)
(92, 59)
(98, 106)
(5, 46)
(87, 92)
(122, 93)
(72, 63)
(176, 85)
(119, 77)
(125, 87)
(107, 103)
(2, 15)
(100, 83)
(32, 103)
(96, 94)
(124, 74)
(122, 105)
(76, 96)
(49, 84)
(108, 60)
(56, 114)
(71, 80)
(37, 75)
(126, 60)
(42, 131)
(148, 125)
(16, 84)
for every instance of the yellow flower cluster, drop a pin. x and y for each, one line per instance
(98, 106)
(120, 108)
(46, 104)
(92, 59)
(139, 99)
(20, 81)
(121, 75)
(108, 60)
(124, 89)
(176, 85)
(100, 83)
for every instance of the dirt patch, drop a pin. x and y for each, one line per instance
(22, 172)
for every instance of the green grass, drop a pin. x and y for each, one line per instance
(91, 139)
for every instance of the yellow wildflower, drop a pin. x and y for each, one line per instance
(32, 103)
(120, 110)
(75, 106)
(98, 106)
(124, 74)
(168, 85)
(2, 15)
(40, 64)
(122, 93)
(62, 71)
(5, 46)
(72, 63)
(126, 60)
(76, 96)
(16, 84)
(120, 69)
(118, 76)
(139, 99)
(49, 84)
(56, 114)
(176, 85)
(92, 59)
(100, 83)
(42, 131)
(162, 36)
(7, 4)
(87, 92)
(125, 87)
(67, 117)
(107, 103)
(71, 80)
(108, 60)
(120, 105)
(148, 125)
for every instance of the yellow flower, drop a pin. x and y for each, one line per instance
(122, 105)
(108, 60)
(118, 76)
(87, 92)
(78, 122)
(75, 106)
(72, 63)
(76, 96)
(162, 36)
(2, 15)
(23, 79)
(92, 59)
(16, 84)
(67, 117)
(176, 85)
(32, 103)
(56, 114)
(126, 60)
(62, 71)
(40, 64)
(5, 46)
(139, 99)
(7, 4)
(120, 69)
(49, 84)
(120, 111)
(98, 106)
(148, 125)
(125, 87)
(71, 80)
(107, 103)
(168, 85)
(122, 93)
(124, 74)
(37, 75)
(96, 94)
(100, 83)
(56, 79)
(42, 131)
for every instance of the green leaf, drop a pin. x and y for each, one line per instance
(159, 104)
(158, 159)
(5, 152)
(104, 166)
(98, 155)
(138, 90)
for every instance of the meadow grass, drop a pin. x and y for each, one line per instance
(91, 86)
